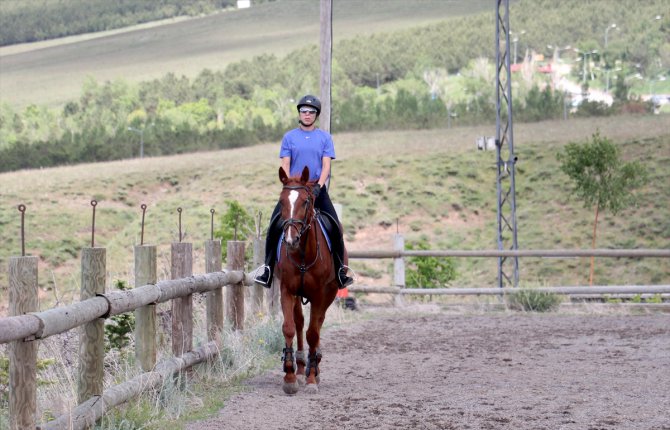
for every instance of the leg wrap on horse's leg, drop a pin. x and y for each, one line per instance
(313, 362)
(289, 358)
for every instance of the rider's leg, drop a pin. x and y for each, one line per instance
(324, 204)
(264, 277)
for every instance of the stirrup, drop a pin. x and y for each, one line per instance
(342, 277)
(265, 278)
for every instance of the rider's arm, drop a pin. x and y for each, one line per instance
(286, 165)
(325, 170)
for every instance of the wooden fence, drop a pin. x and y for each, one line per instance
(25, 326)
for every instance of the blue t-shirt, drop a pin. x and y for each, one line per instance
(307, 148)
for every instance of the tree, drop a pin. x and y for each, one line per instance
(601, 178)
(236, 224)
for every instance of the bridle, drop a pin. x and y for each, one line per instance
(305, 225)
(301, 225)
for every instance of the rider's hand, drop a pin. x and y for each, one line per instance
(316, 190)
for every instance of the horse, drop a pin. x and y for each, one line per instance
(306, 273)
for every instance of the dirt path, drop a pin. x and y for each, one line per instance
(493, 371)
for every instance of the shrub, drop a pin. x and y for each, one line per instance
(529, 299)
(121, 326)
(429, 272)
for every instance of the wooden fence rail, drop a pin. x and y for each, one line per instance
(623, 253)
(591, 290)
(40, 325)
(398, 254)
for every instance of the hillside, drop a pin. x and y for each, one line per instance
(433, 183)
(54, 73)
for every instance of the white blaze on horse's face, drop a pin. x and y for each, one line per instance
(290, 235)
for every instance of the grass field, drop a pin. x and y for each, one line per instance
(51, 73)
(433, 183)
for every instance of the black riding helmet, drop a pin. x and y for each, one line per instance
(311, 101)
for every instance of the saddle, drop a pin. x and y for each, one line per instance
(329, 226)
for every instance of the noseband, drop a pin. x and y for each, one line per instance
(301, 225)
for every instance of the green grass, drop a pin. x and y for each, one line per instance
(429, 183)
(55, 75)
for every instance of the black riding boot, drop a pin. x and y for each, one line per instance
(264, 278)
(338, 259)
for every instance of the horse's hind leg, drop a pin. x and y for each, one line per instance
(290, 385)
(300, 352)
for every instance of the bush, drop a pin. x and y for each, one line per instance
(429, 272)
(529, 299)
(120, 327)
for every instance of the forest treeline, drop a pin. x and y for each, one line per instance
(25, 21)
(439, 75)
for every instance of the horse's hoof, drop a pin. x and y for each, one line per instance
(290, 388)
(301, 379)
(312, 389)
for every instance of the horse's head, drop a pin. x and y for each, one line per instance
(297, 206)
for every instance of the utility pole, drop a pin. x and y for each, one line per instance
(508, 268)
(326, 62)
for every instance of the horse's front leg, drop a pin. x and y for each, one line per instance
(300, 353)
(317, 316)
(290, 385)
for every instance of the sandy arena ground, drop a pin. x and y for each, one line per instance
(498, 370)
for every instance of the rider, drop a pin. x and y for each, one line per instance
(308, 146)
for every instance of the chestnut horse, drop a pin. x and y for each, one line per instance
(306, 273)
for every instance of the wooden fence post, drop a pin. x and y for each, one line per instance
(258, 260)
(182, 307)
(214, 299)
(399, 267)
(235, 293)
(92, 334)
(22, 355)
(145, 316)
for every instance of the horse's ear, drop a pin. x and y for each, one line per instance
(305, 175)
(283, 177)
